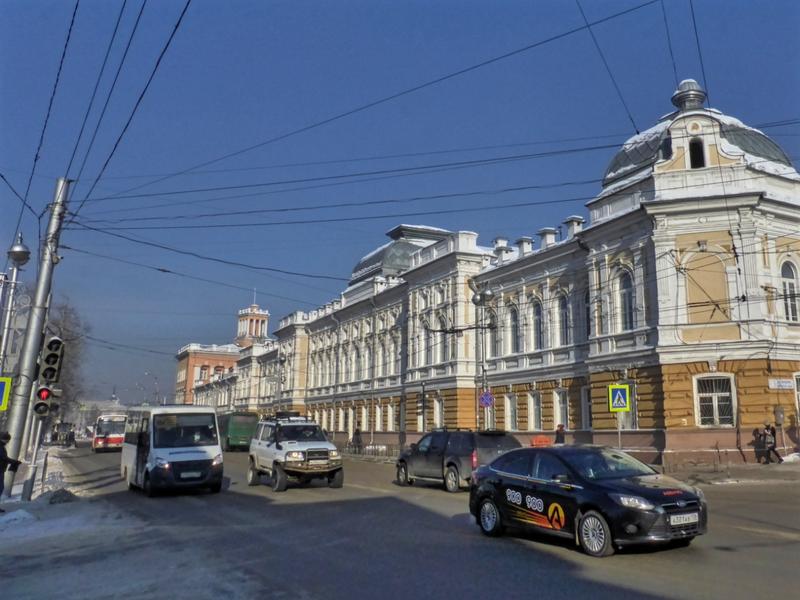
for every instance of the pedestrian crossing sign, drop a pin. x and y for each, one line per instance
(619, 397)
(5, 392)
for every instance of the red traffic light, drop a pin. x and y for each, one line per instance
(44, 394)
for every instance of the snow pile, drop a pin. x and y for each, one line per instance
(14, 518)
(792, 458)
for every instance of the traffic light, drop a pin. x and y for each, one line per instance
(41, 405)
(51, 359)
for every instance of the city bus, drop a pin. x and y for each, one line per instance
(109, 431)
(171, 447)
(236, 429)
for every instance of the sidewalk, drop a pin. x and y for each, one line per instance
(787, 472)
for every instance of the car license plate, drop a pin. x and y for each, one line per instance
(317, 462)
(190, 474)
(684, 519)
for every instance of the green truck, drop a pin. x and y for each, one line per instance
(236, 429)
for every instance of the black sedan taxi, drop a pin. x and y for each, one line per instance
(600, 497)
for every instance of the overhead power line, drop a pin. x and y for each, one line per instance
(115, 345)
(669, 44)
(138, 101)
(700, 53)
(394, 96)
(96, 85)
(179, 274)
(608, 68)
(17, 194)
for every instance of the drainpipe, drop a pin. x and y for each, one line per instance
(336, 368)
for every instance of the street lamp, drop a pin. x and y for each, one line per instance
(155, 382)
(19, 254)
(480, 298)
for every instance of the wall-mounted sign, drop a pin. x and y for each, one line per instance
(780, 384)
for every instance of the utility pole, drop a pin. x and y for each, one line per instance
(31, 346)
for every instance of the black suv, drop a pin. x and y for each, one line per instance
(451, 455)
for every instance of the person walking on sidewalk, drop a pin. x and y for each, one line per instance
(5, 461)
(560, 435)
(769, 440)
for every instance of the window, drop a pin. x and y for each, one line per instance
(384, 360)
(548, 466)
(357, 365)
(438, 411)
(444, 341)
(390, 425)
(797, 392)
(560, 409)
(697, 159)
(438, 442)
(429, 345)
(534, 411)
(511, 412)
(514, 463)
(625, 284)
(587, 308)
(488, 417)
(715, 401)
(513, 330)
(378, 417)
(538, 326)
(364, 425)
(563, 321)
(790, 296)
(341, 422)
(424, 444)
(491, 324)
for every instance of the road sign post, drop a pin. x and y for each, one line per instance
(619, 402)
(5, 392)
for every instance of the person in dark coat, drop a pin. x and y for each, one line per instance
(560, 434)
(770, 443)
(357, 443)
(5, 461)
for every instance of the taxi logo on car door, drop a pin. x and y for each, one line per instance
(555, 515)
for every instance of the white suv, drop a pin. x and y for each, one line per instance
(292, 446)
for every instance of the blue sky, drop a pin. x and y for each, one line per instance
(241, 72)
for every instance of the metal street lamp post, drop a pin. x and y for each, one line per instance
(480, 298)
(18, 254)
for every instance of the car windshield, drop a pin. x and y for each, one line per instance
(110, 427)
(604, 463)
(184, 430)
(300, 433)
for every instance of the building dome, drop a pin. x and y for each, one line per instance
(640, 152)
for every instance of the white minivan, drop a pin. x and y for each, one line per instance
(171, 447)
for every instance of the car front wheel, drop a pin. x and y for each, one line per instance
(402, 475)
(279, 479)
(594, 535)
(337, 479)
(489, 518)
(253, 476)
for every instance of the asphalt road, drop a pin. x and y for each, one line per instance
(373, 539)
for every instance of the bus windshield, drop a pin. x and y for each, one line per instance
(105, 427)
(184, 430)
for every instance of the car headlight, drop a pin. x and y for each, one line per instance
(162, 464)
(295, 455)
(333, 454)
(217, 460)
(700, 495)
(632, 502)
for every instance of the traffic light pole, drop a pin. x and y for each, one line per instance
(31, 345)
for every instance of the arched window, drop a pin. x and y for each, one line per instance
(429, 344)
(444, 341)
(697, 158)
(491, 335)
(384, 360)
(790, 298)
(563, 321)
(625, 284)
(538, 326)
(367, 371)
(587, 308)
(356, 365)
(515, 345)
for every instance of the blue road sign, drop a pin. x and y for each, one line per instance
(619, 398)
(486, 399)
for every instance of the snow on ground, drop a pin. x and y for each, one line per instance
(792, 458)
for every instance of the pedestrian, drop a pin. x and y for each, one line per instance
(71, 438)
(560, 435)
(769, 441)
(5, 461)
(356, 441)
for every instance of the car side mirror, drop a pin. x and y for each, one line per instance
(278, 446)
(413, 446)
(561, 478)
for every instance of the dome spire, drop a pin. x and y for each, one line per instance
(689, 95)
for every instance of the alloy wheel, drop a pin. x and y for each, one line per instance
(593, 534)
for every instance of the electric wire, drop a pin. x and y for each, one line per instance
(96, 86)
(700, 53)
(111, 89)
(138, 102)
(608, 68)
(394, 96)
(669, 43)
